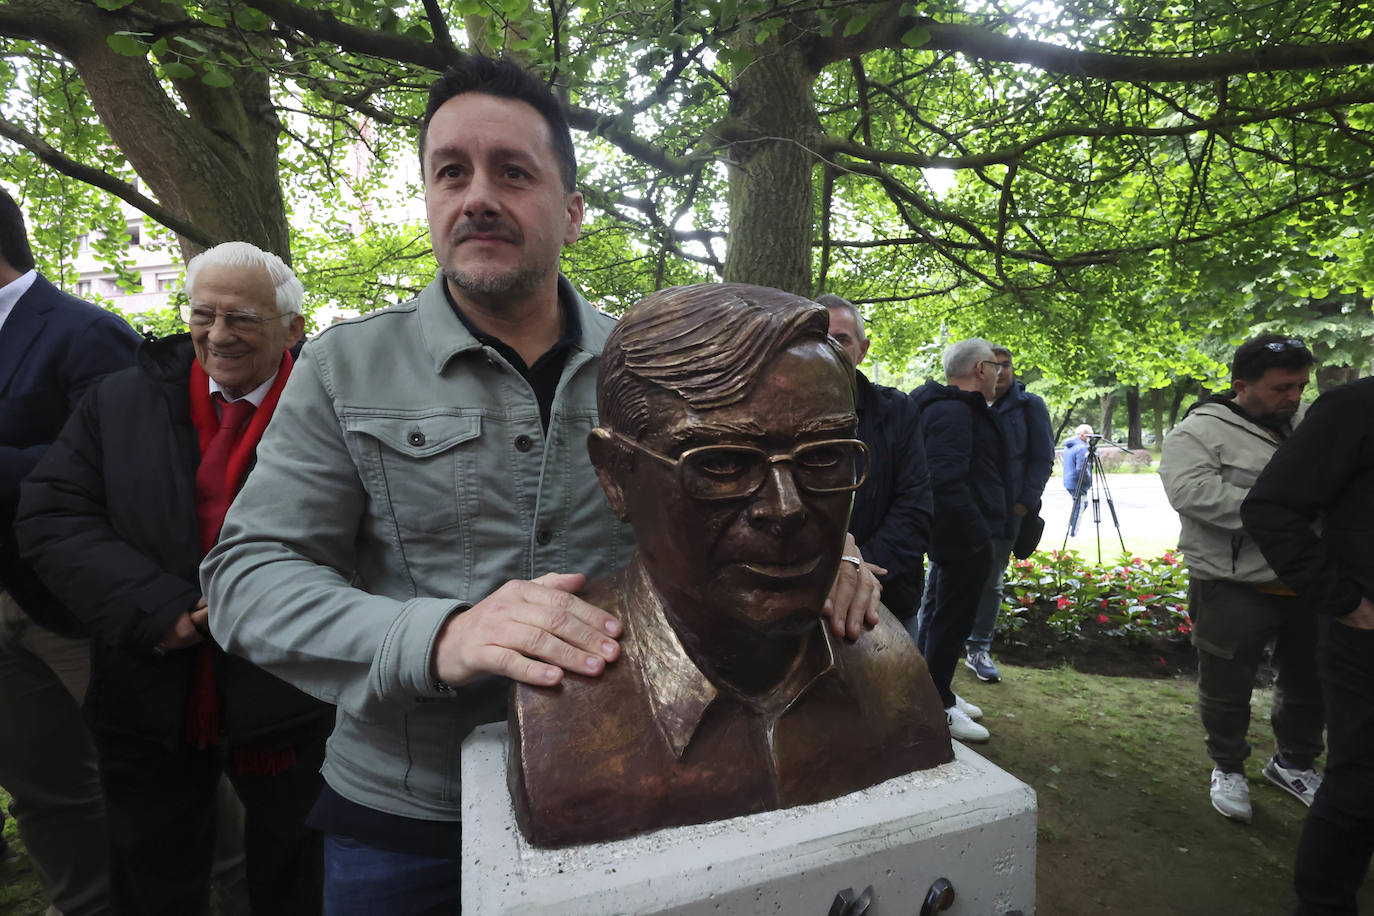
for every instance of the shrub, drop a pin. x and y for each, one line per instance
(1135, 598)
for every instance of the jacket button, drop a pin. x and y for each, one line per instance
(523, 443)
(416, 438)
(543, 536)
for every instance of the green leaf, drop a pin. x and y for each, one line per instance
(856, 25)
(192, 43)
(214, 76)
(125, 44)
(177, 70)
(916, 36)
(113, 5)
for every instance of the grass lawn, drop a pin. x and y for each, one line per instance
(19, 891)
(1125, 826)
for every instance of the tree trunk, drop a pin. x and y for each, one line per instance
(1180, 392)
(772, 207)
(1157, 403)
(1133, 438)
(1108, 408)
(212, 159)
(1062, 429)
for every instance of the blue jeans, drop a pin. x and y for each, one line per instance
(1078, 506)
(990, 604)
(362, 880)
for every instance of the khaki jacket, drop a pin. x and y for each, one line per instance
(1209, 463)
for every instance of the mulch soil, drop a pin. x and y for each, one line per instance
(1038, 645)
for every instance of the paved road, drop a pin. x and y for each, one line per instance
(1149, 524)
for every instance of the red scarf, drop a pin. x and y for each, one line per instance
(202, 703)
(206, 420)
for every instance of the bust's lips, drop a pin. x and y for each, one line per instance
(789, 570)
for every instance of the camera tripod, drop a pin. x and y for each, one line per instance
(1092, 479)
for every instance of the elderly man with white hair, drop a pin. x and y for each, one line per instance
(115, 519)
(966, 457)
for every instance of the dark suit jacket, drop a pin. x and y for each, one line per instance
(52, 348)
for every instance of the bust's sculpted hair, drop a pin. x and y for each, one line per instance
(706, 343)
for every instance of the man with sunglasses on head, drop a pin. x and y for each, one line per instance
(1238, 605)
(116, 519)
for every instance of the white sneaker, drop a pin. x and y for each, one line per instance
(962, 727)
(1231, 795)
(1302, 784)
(973, 712)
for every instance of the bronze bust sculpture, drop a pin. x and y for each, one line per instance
(727, 443)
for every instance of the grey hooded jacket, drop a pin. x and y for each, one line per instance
(405, 475)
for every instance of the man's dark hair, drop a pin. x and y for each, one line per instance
(1269, 351)
(14, 238)
(508, 80)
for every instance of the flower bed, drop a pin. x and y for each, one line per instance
(1127, 617)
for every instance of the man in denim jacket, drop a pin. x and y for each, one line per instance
(423, 509)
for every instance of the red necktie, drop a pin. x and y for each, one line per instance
(213, 494)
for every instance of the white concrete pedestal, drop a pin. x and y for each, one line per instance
(967, 821)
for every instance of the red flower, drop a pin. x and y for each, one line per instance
(1102, 602)
(1184, 628)
(1025, 600)
(1103, 618)
(1062, 602)
(1162, 662)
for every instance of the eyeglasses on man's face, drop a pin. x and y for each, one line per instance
(1278, 346)
(996, 366)
(198, 316)
(713, 472)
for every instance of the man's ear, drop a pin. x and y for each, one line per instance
(601, 448)
(295, 330)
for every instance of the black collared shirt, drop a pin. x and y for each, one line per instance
(543, 376)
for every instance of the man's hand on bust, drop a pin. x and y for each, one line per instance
(529, 631)
(1362, 618)
(855, 594)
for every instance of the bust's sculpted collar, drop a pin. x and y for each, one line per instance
(679, 692)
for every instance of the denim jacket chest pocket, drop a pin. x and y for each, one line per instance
(420, 465)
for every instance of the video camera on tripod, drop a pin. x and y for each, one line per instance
(1092, 481)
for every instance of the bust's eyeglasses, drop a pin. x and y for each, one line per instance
(1278, 346)
(712, 472)
(244, 322)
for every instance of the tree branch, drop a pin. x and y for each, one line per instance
(886, 28)
(327, 27)
(105, 181)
